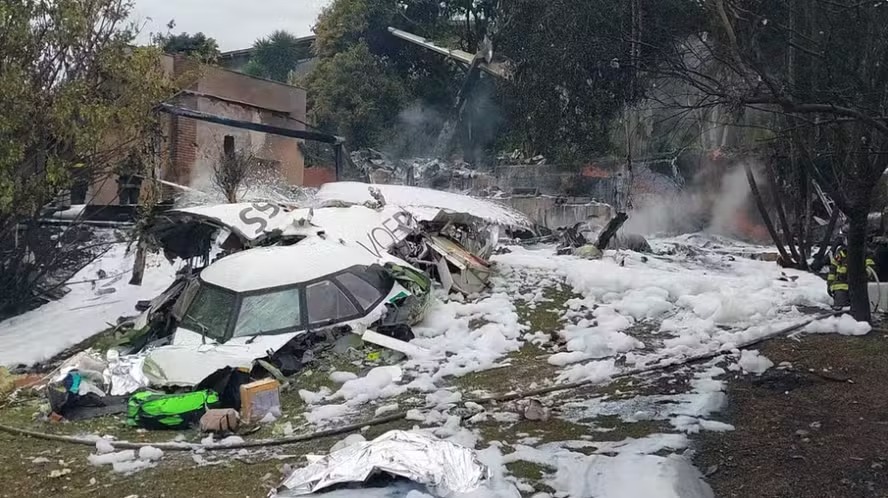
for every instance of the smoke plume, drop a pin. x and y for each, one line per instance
(717, 201)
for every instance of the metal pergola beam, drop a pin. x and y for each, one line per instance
(327, 138)
(249, 125)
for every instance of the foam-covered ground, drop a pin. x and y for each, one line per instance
(85, 311)
(547, 319)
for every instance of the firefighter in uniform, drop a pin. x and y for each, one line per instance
(837, 279)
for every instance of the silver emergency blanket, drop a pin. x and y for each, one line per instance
(124, 373)
(442, 465)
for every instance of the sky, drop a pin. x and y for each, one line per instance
(235, 24)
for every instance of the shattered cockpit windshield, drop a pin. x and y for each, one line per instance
(210, 312)
(269, 312)
(340, 297)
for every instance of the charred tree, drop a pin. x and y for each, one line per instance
(611, 229)
(818, 65)
(857, 278)
(233, 169)
(766, 217)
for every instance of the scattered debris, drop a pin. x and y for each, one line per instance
(443, 465)
(370, 253)
(260, 399)
(576, 240)
(534, 410)
(223, 421)
(59, 473)
(420, 171)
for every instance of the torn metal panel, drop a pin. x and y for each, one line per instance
(444, 466)
(444, 275)
(498, 69)
(457, 254)
(186, 366)
(190, 232)
(387, 342)
(469, 273)
(471, 208)
(168, 297)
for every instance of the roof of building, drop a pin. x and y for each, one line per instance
(231, 54)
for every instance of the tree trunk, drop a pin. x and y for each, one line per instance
(139, 264)
(805, 242)
(753, 186)
(613, 226)
(820, 257)
(781, 213)
(857, 279)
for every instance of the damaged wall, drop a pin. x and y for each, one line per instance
(553, 212)
(190, 147)
(243, 97)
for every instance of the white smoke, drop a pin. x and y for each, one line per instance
(668, 215)
(697, 208)
(732, 198)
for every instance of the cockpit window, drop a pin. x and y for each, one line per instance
(327, 303)
(210, 312)
(364, 293)
(269, 312)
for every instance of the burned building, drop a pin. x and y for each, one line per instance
(189, 147)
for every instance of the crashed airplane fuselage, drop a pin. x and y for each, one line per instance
(280, 274)
(258, 302)
(433, 230)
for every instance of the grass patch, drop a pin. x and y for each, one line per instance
(546, 316)
(175, 475)
(526, 366)
(622, 430)
(552, 430)
(527, 470)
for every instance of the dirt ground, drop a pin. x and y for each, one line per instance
(816, 429)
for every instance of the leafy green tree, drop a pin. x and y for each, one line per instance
(359, 109)
(76, 97)
(578, 63)
(196, 45)
(413, 75)
(275, 56)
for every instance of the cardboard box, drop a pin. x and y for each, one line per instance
(260, 398)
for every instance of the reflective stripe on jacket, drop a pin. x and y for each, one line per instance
(837, 279)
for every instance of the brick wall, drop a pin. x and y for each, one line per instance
(319, 175)
(190, 146)
(196, 146)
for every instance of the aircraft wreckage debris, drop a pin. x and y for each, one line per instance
(266, 287)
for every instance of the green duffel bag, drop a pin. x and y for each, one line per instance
(153, 410)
